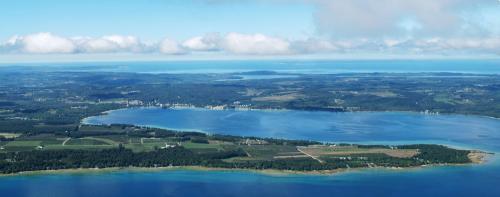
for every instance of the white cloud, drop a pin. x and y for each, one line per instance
(255, 44)
(237, 43)
(97, 45)
(170, 47)
(40, 43)
(110, 44)
(209, 42)
(47, 43)
(251, 44)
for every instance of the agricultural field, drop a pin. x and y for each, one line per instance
(332, 150)
(151, 147)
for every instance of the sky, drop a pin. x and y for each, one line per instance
(51, 30)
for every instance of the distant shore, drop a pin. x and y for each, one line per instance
(291, 109)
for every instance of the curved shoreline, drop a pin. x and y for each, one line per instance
(298, 110)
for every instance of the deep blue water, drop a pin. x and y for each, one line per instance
(491, 66)
(366, 127)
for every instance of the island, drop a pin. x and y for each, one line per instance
(125, 146)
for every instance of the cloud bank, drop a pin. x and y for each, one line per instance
(247, 44)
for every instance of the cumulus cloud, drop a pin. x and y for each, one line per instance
(238, 43)
(209, 42)
(110, 44)
(255, 44)
(45, 43)
(251, 44)
(171, 47)
(40, 43)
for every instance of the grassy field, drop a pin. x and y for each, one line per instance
(85, 142)
(24, 143)
(254, 152)
(269, 152)
(318, 151)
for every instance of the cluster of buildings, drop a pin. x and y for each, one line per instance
(251, 142)
(167, 146)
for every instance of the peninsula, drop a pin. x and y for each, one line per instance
(111, 146)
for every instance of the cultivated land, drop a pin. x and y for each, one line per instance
(131, 146)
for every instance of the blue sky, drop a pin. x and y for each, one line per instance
(152, 19)
(190, 29)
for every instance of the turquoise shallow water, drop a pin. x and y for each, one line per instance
(363, 127)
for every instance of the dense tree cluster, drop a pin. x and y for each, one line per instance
(178, 156)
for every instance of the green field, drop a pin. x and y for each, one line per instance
(268, 152)
(85, 142)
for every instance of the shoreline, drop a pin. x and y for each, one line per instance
(287, 109)
(479, 157)
(271, 172)
(476, 157)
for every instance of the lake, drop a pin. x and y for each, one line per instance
(361, 127)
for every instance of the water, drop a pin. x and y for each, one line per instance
(287, 66)
(456, 181)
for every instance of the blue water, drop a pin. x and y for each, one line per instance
(491, 66)
(366, 127)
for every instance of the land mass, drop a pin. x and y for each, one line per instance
(112, 146)
(41, 113)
